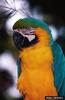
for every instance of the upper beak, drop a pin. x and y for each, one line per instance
(22, 39)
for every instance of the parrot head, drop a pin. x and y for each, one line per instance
(29, 32)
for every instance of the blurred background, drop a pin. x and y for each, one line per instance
(49, 11)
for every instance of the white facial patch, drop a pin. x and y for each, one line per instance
(29, 34)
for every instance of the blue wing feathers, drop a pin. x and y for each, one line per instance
(59, 69)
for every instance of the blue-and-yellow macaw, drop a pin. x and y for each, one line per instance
(42, 63)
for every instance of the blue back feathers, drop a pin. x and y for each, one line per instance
(59, 69)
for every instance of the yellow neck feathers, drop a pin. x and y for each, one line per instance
(43, 36)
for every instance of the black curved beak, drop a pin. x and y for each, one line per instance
(21, 41)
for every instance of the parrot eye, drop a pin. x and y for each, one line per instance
(30, 31)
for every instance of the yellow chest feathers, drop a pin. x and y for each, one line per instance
(37, 74)
(37, 58)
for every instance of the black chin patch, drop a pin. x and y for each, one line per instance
(22, 42)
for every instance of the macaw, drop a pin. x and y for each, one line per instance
(41, 70)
